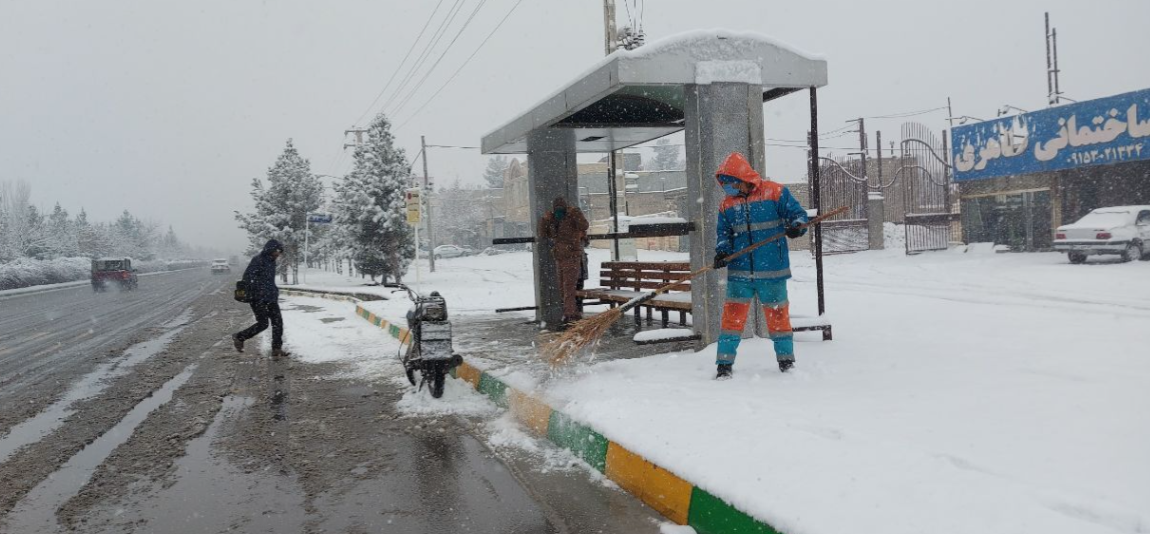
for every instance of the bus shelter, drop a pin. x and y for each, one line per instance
(713, 85)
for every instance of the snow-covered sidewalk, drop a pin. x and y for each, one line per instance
(963, 392)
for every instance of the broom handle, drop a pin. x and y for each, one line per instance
(630, 305)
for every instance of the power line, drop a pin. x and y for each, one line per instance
(907, 114)
(440, 58)
(461, 66)
(401, 63)
(427, 49)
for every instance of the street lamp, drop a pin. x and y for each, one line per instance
(964, 118)
(1005, 110)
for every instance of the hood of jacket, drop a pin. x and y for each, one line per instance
(737, 166)
(271, 246)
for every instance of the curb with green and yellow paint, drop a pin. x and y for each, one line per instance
(679, 500)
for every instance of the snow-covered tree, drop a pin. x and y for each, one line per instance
(494, 172)
(666, 157)
(282, 207)
(18, 238)
(61, 231)
(370, 205)
(462, 212)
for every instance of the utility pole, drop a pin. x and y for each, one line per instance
(862, 143)
(430, 231)
(611, 41)
(1053, 93)
(609, 32)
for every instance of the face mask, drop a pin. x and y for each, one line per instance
(731, 190)
(560, 213)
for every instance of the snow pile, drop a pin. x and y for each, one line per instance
(459, 398)
(893, 236)
(325, 331)
(25, 272)
(662, 333)
(506, 437)
(739, 71)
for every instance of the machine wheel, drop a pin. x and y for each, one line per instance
(1133, 251)
(438, 257)
(1077, 257)
(438, 374)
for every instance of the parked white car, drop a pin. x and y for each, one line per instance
(448, 251)
(1122, 230)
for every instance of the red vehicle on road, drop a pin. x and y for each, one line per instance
(106, 271)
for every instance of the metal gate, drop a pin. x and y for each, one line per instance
(925, 177)
(841, 183)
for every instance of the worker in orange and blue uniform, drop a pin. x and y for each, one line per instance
(753, 210)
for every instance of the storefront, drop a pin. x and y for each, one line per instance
(1021, 177)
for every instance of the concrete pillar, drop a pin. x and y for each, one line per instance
(721, 118)
(875, 216)
(551, 172)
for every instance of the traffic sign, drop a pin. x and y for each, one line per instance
(319, 218)
(413, 205)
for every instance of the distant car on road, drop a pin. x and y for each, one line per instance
(494, 251)
(449, 251)
(1122, 230)
(107, 271)
(221, 266)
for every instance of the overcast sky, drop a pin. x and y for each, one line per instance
(169, 109)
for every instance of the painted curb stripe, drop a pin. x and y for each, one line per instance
(711, 515)
(581, 440)
(493, 388)
(532, 413)
(468, 374)
(659, 488)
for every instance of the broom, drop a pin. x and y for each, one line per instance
(588, 331)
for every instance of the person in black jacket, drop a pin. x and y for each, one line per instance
(260, 277)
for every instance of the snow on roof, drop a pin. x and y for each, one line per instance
(698, 56)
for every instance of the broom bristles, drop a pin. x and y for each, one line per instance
(580, 335)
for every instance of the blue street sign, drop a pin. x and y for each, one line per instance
(1108, 130)
(319, 218)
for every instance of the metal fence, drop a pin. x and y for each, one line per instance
(842, 184)
(925, 177)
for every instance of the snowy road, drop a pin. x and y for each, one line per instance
(144, 419)
(47, 338)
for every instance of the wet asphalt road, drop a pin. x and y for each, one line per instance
(196, 438)
(50, 334)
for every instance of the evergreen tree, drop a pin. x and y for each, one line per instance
(370, 205)
(494, 172)
(666, 157)
(62, 239)
(282, 207)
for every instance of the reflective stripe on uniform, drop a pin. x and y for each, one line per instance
(765, 225)
(757, 275)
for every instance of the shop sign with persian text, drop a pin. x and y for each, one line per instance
(1105, 131)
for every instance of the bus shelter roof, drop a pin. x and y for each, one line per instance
(635, 96)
